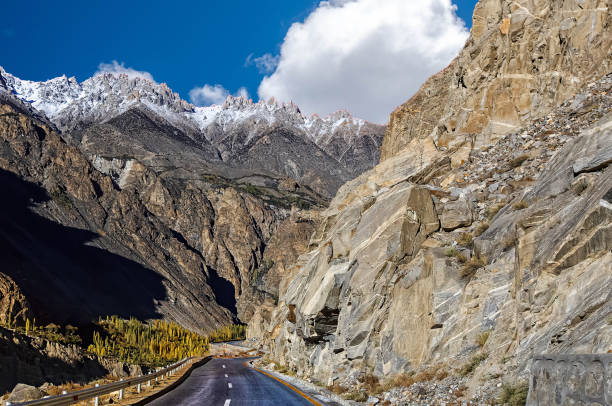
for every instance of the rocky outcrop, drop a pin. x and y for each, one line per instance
(14, 307)
(522, 59)
(418, 262)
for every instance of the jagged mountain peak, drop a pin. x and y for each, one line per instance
(229, 130)
(66, 102)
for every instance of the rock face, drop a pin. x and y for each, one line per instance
(14, 306)
(523, 58)
(421, 262)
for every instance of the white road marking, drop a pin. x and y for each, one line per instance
(226, 375)
(223, 365)
(227, 402)
(229, 385)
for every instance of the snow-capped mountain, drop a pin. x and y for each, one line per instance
(68, 103)
(233, 129)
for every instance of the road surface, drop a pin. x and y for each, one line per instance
(228, 382)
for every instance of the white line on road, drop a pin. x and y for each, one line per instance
(227, 402)
(229, 385)
(223, 365)
(226, 376)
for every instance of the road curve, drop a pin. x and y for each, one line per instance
(228, 382)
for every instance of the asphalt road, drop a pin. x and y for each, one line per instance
(228, 382)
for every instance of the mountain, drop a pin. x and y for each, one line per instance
(484, 235)
(117, 183)
(236, 139)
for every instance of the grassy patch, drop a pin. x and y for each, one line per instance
(514, 395)
(490, 212)
(455, 253)
(465, 240)
(336, 388)
(519, 205)
(482, 227)
(481, 339)
(356, 396)
(471, 366)
(509, 242)
(451, 252)
(61, 198)
(469, 268)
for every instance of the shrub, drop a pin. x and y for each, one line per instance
(470, 267)
(400, 381)
(465, 240)
(61, 198)
(372, 384)
(356, 396)
(481, 339)
(469, 368)
(509, 241)
(518, 161)
(514, 395)
(482, 227)
(451, 252)
(519, 205)
(336, 388)
(493, 210)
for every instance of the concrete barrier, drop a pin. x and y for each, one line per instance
(571, 379)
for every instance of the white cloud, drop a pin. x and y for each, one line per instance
(118, 68)
(265, 63)
(366, 56)
(216, 94)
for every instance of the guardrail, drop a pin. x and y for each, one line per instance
(97, 391)
(577, 379)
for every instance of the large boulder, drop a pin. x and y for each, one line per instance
(456, 214)
(24, 393)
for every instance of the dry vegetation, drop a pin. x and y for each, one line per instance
(465, 240)
(520, 205)
(470, 267)
(481, 339)
(471, 366)
(493, 210)
(482, 227)
(514, 395)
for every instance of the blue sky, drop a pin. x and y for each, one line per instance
(187, 44)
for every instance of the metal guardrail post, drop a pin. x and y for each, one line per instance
(138, 388)
(97, 399)
(121, 390)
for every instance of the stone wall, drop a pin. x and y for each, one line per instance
(570, 379)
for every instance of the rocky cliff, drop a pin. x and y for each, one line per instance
(522, 59)
(478, 243)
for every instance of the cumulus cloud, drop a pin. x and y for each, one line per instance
(366, 56)
(117, 68)
(216, 94)
(265, 63)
